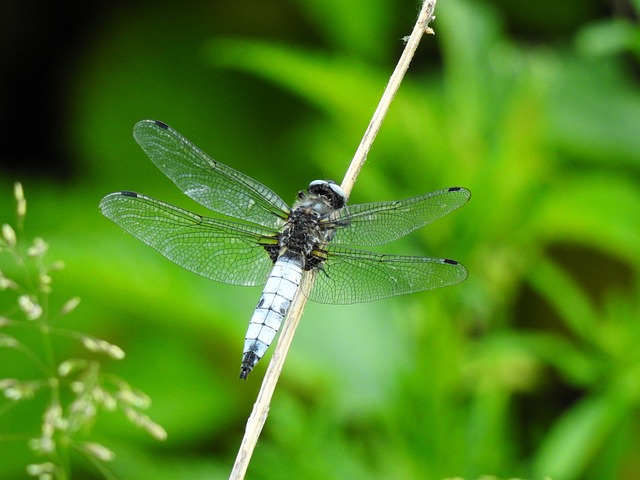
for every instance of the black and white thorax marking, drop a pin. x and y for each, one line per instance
(307, 230)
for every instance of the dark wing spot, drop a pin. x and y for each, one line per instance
(450, 262)
(161, 124)
(127, 193)
(454, 189)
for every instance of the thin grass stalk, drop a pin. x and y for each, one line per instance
(260, 410)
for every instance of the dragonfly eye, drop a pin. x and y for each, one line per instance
(330, 190)
(337, 189)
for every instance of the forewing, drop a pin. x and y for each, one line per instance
(379, 223)
(221, 250)
(210, 183)
(354, 276)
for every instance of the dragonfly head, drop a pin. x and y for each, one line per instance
(330, 190)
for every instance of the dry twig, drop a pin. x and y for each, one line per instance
(261, 407)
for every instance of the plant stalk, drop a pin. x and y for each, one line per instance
(260, 410)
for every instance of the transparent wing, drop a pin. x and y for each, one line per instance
(221, 250)
(379, 223)
(354, 276)
(210, 183)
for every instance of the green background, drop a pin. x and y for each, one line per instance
(530, 368)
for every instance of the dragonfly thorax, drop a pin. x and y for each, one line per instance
(305, 235)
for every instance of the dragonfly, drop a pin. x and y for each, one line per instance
(263, 241)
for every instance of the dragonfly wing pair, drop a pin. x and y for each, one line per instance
(242, 250)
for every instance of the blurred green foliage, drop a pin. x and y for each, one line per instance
(531, 368)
